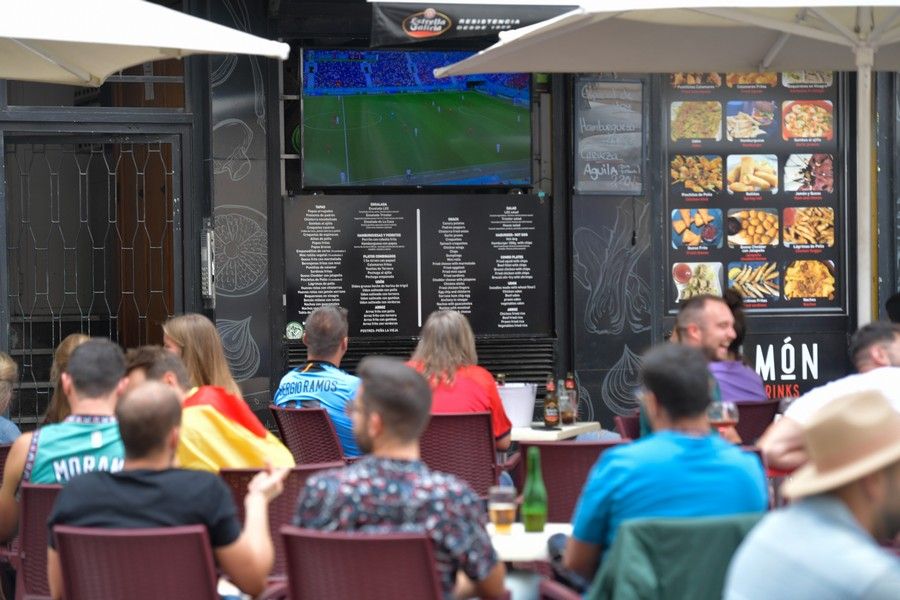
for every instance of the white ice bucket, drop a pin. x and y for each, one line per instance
(518, 401)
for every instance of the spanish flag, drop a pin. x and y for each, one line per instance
(218, 430)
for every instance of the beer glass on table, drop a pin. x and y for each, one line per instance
(502, 508)
(722, 415)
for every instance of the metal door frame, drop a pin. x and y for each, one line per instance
(118, 127)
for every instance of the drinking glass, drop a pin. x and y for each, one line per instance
(502, 508)
(722, 414)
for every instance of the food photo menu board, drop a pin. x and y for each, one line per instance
(753, 193)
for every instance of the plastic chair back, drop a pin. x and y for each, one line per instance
(462, 444)
(282, 508)
(138, 564)
(628, 426)
(309, 434)
(565, 467)
(36, 502)
(360, 565)
(754, 418)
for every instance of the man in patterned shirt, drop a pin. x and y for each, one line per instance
(391, 490)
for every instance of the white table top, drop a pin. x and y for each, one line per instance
(528, 434)
(519, 546)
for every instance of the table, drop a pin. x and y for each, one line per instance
(519, 546)
(527, 434)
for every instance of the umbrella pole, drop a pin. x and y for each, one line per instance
(864, 215)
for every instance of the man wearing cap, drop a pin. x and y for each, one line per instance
(825, 544)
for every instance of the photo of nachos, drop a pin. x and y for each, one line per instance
(809, 279)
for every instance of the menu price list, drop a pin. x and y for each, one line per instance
(392, 260)
(753, 198)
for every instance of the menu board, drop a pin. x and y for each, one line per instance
(609, 117)
(754, 196)
(392, 260)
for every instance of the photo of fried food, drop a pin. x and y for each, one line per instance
(809, 279)
(754, 280)
(809, 225)
(752, 173)
(767, 78)
(696, 227)
(752, 227)
(704, 279)
(696, 120)
(807, 119)
(697, 173)
(690, 79)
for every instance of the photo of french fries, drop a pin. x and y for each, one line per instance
(752, 227)
(809, 279)
(809, 225)
(752, 173)
(754, 280)
(767, 78)
(697, 227)
(697, 173)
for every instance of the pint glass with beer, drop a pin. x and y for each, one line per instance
(502, 507)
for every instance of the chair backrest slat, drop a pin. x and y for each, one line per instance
(462, 444)
(309, 434)
(360, 565)
(138, 564)
(36, 502)
(282, 508)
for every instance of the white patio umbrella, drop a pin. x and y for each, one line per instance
(696, 35)
(82, 42)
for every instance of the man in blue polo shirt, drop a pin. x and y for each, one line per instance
(681, 470)
(320, 382)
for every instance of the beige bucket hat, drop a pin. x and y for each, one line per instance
(849, 438)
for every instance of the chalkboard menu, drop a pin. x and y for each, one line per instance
(608, 132)
(392, 260)
(754, 192)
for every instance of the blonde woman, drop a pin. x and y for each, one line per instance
(9, 376)
(194, 338)
(59, 407)
(446, 357)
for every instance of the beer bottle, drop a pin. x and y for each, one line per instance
(551, 406)
(534, 499)
(570, 416)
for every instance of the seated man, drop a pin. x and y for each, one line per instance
(87, 440)
(320, 382)
(823, 545)
(392, 490)
(150, 493)
(680, 470)
(875, 353)
(218, 430)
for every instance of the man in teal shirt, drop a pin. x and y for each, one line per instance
(87, 440)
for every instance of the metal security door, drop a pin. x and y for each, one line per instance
(93, 245)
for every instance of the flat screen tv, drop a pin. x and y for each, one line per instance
(373, 118)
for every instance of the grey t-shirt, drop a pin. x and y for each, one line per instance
(813, 549)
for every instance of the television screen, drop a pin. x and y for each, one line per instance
(380, 118)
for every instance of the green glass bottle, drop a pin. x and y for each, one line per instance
(534, 500)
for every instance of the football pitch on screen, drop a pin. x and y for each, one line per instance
(441, 138)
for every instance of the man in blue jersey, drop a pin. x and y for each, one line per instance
(681, 470)
(320, 382)
(87, 440)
